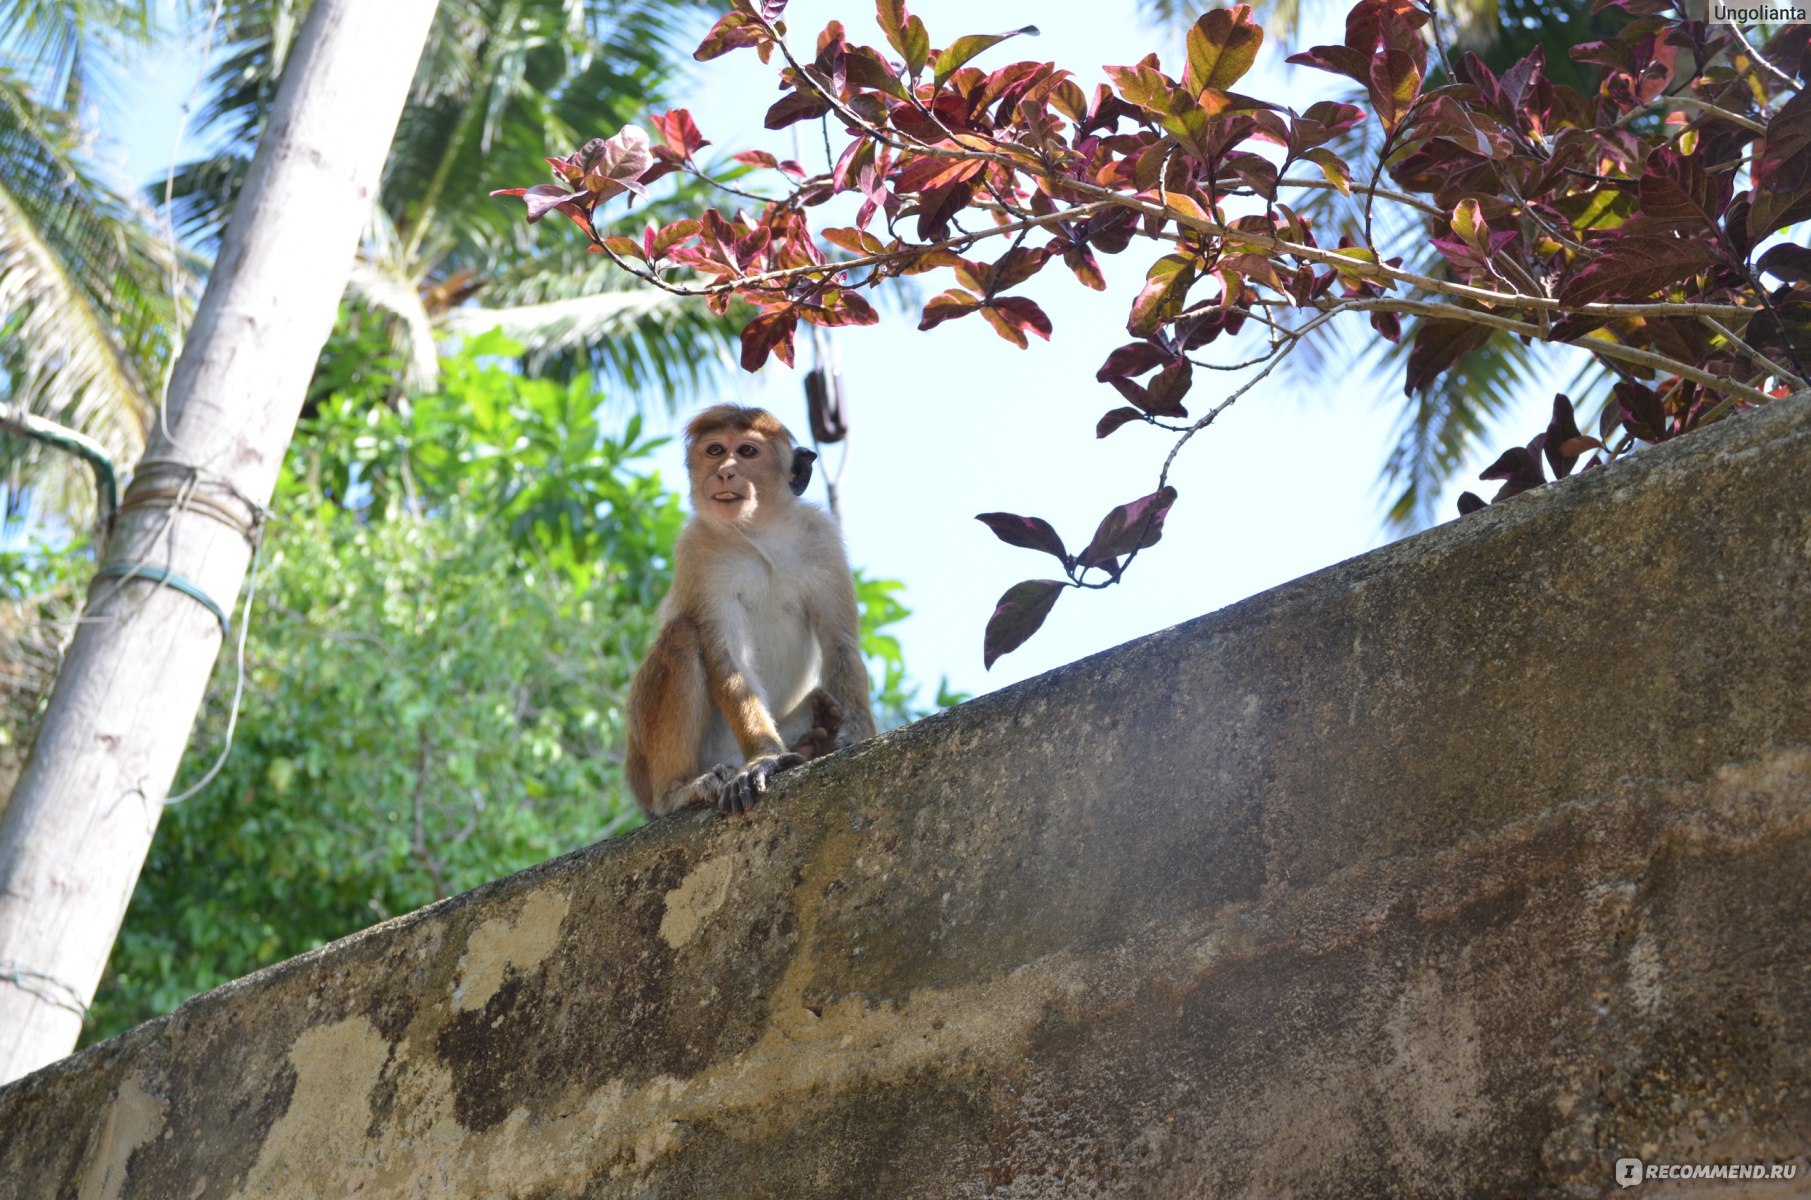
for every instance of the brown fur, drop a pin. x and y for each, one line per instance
(752, 552)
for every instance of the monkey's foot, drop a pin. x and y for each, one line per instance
(739, 793)
(826, 724)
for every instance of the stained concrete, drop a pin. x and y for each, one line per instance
(1464, 868)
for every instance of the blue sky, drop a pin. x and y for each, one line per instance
(954, 422)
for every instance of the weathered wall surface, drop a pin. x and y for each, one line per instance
(1461, 869)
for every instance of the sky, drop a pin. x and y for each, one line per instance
(954, 422)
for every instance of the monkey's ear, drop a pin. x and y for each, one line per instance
(801, 470)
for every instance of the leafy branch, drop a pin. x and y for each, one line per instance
(1558, 218)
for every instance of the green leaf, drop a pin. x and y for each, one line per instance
(1468, 222)
(1221, 48)
(1333, 167)
(905, 33)
(1166, 283)
(965, 48)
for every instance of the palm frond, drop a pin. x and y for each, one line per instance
(51, 45)
(85, 296)
(382, 277)
(1443, 428)
(574, 314)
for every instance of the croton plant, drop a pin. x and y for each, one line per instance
(1626, 223)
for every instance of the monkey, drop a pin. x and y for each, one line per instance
(758, 658)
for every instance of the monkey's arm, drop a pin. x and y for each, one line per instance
(733, 691)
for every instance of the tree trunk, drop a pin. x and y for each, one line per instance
(74, 836)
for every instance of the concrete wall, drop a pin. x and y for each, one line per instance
(1463, 868)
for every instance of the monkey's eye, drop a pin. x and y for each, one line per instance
(714, 450)
(747, 450)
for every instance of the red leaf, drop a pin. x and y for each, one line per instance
(1168, 387)
(1015, 267)
(1440, 343)
(855, 241)
(1134, 358)
(614, 164)
(680, 132)
(731, 32)
(932, 171)
(1018, 615)
(1642, 413)
(1782, 170)
(768, 332)
(1562, 431)
(541, 199)
(795, 107)
(867, 69)
(1032, 533)
(672, 235)
(1013, 316)
(1787, 261)
(626, 247)
(1395, 85)
(1340, 60)
(947, 306)
(1519, 469)
(1634, 268)
(1677, 195)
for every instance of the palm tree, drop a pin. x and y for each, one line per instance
(501, 81)
(89, 290)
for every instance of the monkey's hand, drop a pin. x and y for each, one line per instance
(826, 723)
(739, 793)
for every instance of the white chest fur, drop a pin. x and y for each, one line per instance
(758, 604)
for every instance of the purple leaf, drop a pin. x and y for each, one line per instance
(1134, 358)
(1131, 526)
(1031, 533)
(1634, 268)
(1018, 615)
(1114, 419)
(1439, 345)
(1782, 170)
(1562, 431)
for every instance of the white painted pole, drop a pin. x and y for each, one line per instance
(75, 833)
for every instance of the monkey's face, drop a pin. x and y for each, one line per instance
(735, 474)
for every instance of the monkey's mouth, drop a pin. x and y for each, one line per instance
(728, 497)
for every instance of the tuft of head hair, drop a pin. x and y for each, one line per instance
(739, 418)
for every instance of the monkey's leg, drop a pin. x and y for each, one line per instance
(822, 720)
(669, 711)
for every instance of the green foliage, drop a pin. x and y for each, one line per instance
(449, 613)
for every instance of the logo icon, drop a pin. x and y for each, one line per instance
(1628, 1171)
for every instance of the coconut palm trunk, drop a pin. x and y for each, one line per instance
(74, 835)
